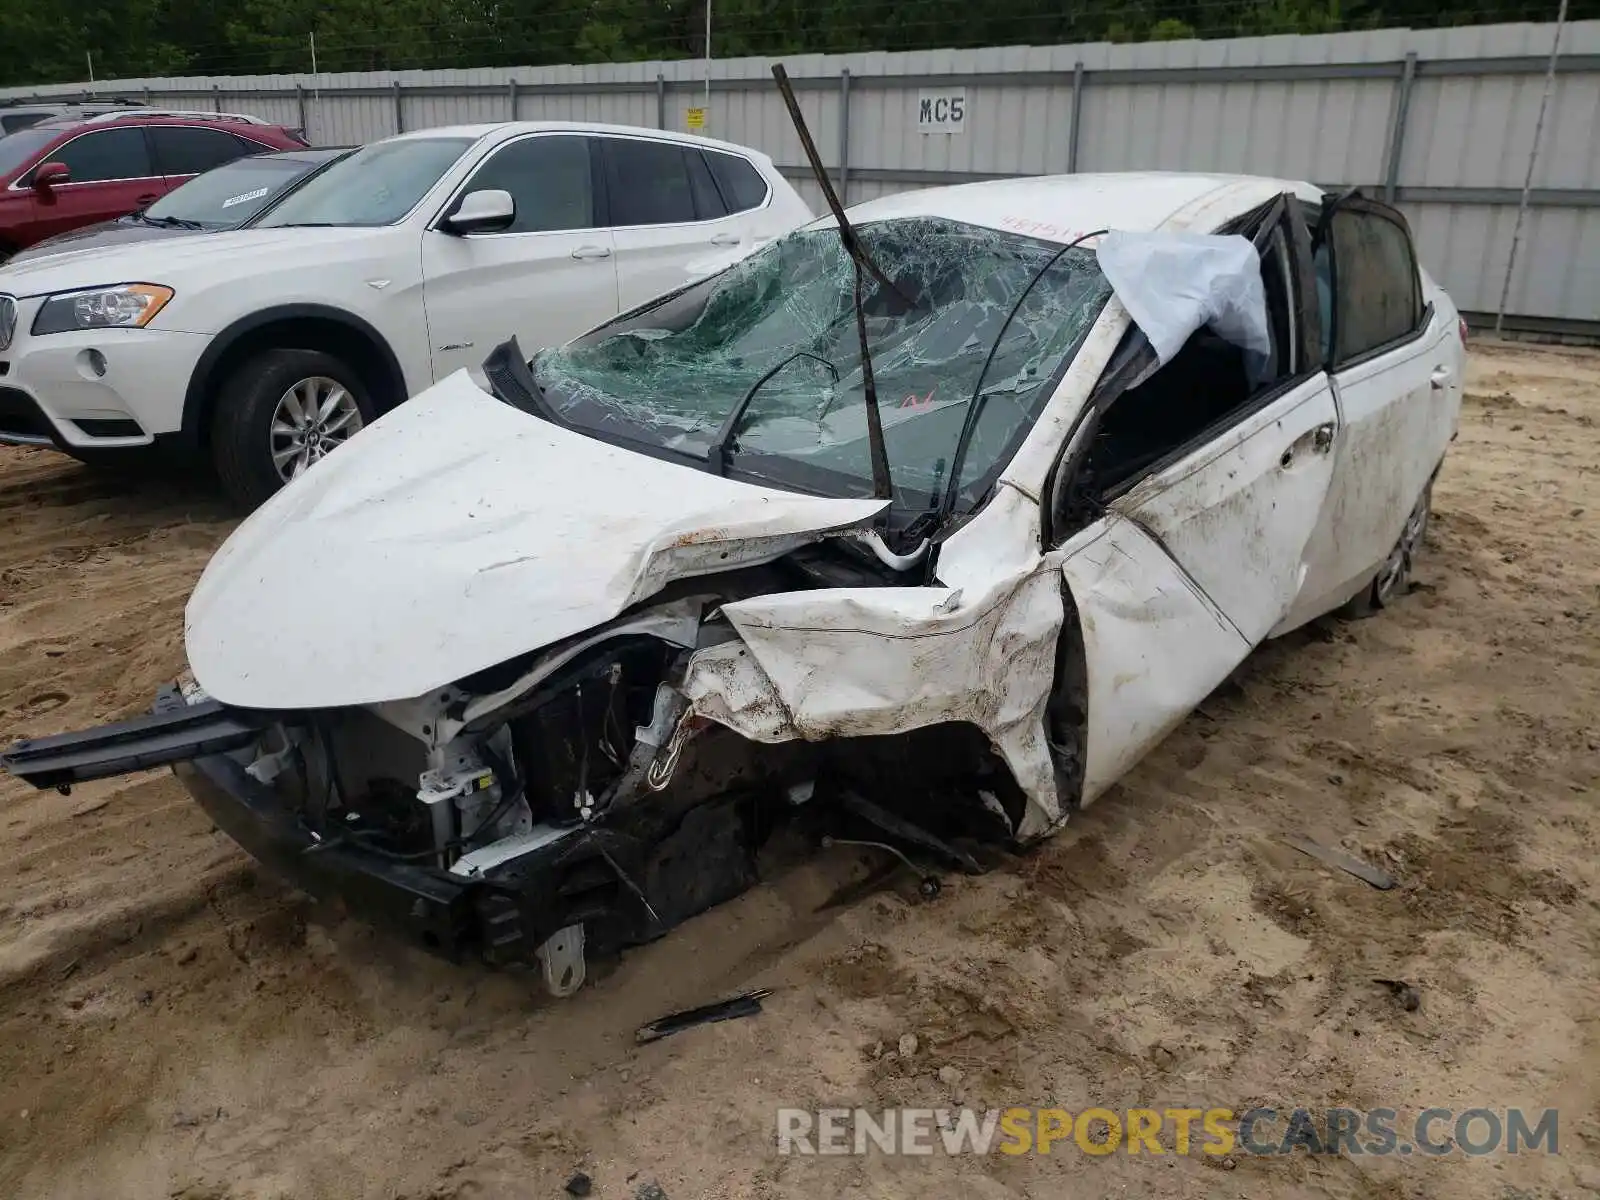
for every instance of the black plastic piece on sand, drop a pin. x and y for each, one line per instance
(747, 1005)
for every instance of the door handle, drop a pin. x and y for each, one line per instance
(726, 239)
(146, 200)
(1321, 439)
(584, 253)
(1440, 377)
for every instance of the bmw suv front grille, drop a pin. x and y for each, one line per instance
(8, 321)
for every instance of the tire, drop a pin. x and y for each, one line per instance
(1393, 579)
(261, 414)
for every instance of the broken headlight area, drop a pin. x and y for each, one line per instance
(598, 810)
(559, 806)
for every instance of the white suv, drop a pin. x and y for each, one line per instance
(411, 259)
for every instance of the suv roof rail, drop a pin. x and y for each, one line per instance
(188, 115)
(71, 102)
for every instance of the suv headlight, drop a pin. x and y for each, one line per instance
(126, 306)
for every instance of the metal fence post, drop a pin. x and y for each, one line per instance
(844, 136)
(399, 110)
(511, 99)
(300, 107)
(1527, 180)
(661, 100)
(1077, 118)
(1397, 133)
(216, 97)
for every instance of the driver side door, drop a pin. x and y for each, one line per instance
(1194, 546)
(112, 174)
(547, 278)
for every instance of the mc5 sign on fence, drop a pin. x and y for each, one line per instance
(942, 111)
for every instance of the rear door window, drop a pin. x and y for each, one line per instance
(107, 155)
(707, 200)
(1367, 263)
(189, 151)
(648, 183)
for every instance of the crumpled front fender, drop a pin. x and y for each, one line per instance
(852, 662)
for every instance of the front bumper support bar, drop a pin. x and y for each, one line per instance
(502, 913)
(174, 732)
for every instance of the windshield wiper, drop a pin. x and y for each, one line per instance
(969, 422)
(861, 261)
(718, 453)
(168, 222)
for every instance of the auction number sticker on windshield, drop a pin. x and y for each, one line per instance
(255, 195)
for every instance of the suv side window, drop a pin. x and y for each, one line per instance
(707, 200)
(549, 177)
(648, 183)
(742, 185)
(20, 121)
(189, 151)
(1376, 291)
(107, 155)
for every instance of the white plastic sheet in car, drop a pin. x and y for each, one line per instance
(1173, 284)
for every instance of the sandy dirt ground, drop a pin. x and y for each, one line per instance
(174, 1023)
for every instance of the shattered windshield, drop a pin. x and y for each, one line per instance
(782, 322)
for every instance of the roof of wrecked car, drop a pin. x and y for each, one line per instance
(1060, 208)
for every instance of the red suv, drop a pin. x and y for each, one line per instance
(60, 175)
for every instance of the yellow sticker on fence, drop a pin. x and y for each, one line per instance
(697, 118)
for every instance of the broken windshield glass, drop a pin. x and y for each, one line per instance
(671, 374)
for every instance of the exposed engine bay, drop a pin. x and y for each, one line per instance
(582, 784)
(570, 802)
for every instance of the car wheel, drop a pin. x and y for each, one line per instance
(1394, 578)
(279, 414)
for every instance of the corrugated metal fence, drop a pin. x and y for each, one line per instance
(1439, 120)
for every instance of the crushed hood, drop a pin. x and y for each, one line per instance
(458, 532)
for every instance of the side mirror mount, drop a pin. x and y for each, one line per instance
(49, 175)
(488, 211)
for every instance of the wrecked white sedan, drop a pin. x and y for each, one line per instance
(918, 529)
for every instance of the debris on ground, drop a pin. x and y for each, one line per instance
(747, 1005)
(1407, 994)
(1349, 863)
